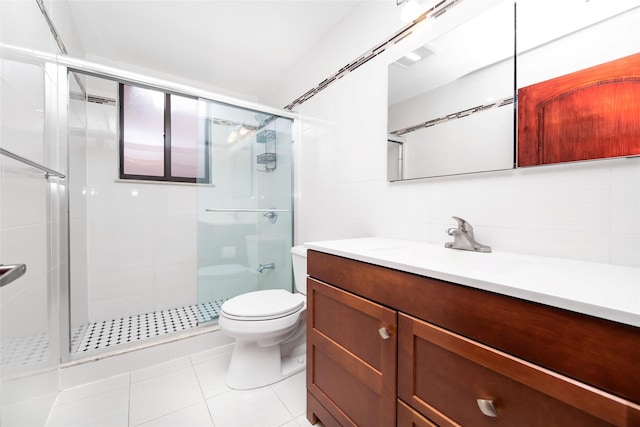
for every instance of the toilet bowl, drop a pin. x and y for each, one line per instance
(269, 329)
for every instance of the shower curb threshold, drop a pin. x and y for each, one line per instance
(154, 342)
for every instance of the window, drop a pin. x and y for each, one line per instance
(159, 137)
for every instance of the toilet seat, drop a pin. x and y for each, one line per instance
(263, 305)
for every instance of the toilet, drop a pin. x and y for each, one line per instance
(269, 327)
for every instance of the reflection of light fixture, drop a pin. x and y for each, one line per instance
(414, 57)
(238, 131)
(410, 11)
(232, 136)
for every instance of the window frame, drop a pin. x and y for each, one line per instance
(167, 177)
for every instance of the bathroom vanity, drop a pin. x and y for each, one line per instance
(411, 334)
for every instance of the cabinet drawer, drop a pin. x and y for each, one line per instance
(351, 367)
(444, 375)
(409, 417)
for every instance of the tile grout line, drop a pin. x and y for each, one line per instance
(283, 404)
(129, 401)
(204, 398)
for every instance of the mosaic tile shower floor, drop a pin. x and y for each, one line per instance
(103, 334)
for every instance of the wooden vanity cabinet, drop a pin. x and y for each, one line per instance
(534, 365)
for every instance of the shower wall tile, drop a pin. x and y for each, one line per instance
(121, 306)
(117, 227)
(175, 251)
(25, 194)
(176, 200)
(115, 283)
(22, 123)
(20, 245)
(25, 82)
(175, 297)
(175, 227)
(25, 316)
(176, 285)
(120, 255)
(117, 197)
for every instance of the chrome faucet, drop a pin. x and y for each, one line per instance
(270, 266)
(463, 238)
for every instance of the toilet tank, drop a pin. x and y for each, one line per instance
(299, 261)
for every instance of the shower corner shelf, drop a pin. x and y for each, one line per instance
(266, 158)
(267, 135)
(269, 157)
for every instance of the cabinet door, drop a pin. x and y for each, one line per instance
(351, 356)
(453, 380)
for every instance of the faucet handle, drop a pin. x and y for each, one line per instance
(464, 226)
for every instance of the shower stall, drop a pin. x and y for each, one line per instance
(149, 258)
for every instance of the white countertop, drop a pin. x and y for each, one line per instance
(602, 290)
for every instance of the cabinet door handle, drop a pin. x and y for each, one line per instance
(487, 407)
(384, 333)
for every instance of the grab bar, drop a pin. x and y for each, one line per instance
(44, 169)
(247, 210)
(9, 273)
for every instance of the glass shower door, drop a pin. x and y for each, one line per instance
(245, 218)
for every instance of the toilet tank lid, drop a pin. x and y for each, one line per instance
(300, 250)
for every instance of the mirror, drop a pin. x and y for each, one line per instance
(577, 80)
(451, 107)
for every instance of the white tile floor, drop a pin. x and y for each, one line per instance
(186, 392)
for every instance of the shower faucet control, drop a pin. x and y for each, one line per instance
(273, 217)
(270, 266)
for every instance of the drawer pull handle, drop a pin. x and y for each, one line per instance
(487, 407)
(384, 333)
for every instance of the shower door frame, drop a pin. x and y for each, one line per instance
(68, 65)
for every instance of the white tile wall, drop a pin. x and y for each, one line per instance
(587, 211)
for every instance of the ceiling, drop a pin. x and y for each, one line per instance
(241, 46)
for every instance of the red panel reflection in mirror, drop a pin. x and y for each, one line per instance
(590, 114)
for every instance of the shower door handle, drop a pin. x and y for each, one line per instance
(9, 273)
